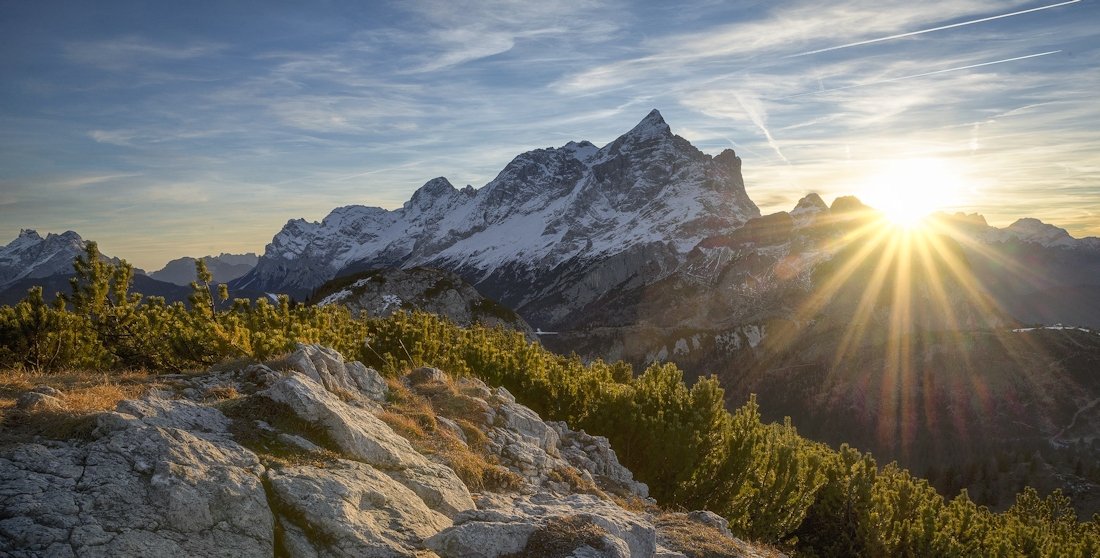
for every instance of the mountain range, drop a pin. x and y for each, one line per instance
(647, 249)
(572, 238)
(33, 260)
(552, 232)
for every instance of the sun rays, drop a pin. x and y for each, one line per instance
(907, 191)
(890, 292)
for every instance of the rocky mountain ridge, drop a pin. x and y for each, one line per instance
(562, 231)
(30, 256)
(380, 293)
(296, 460)
(555, 224)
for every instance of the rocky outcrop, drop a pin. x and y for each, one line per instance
(293, 459)
(360, 435)
(164, 478)
(354, 508)
(328, 368)
(380, 293)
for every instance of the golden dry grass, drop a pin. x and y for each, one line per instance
(632, 502)
(83, 391)
(404, 425)
(576, 482)
(677, 532)
(412, 414)
(83, 395)
(219, 393)
(560, 536)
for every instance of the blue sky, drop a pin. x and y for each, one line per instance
(164, 129)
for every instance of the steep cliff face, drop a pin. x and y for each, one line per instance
(553, 231)
(316, 456)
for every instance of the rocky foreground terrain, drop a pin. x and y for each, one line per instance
(315, 456)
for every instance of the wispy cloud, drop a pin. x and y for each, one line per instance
(296, 111)
(931, 29)
(923, 74)
(765, 42)
(89, 180)
(127, 52)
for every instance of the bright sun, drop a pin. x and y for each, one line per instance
(908, 190)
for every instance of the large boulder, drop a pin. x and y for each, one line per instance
(362, 436)
(328, 368)
(166, 481)
(350, 509)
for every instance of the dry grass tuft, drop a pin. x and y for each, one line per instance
(576, 482)
(412, 414)
(560, 536)
(497, 478)
(83, 395)
(219, 393)
(632, 502)
(446, 399)
(84, 391)
(697, 540)
(475, 437)
(404, 425)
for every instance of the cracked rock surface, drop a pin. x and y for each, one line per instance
(149, 486)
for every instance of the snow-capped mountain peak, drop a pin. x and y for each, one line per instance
(811, 203)
(30, 235)
(548, 210)
(1038, 232)
(432, 191)
(32, 256)
(808, 208)
(653, 125)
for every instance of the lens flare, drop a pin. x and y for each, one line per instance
(907, 191)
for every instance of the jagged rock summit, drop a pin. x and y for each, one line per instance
(548, 235)
(32, 256)
(303, 457)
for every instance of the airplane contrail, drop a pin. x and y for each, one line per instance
(932, 73)
(930, 30)
(758, 119)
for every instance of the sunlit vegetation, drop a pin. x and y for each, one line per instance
(770, 483)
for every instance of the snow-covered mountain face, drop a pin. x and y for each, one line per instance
(30, 256)
(553, 231)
